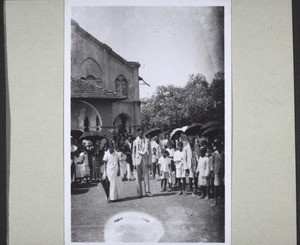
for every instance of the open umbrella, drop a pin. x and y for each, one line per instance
(76, 134)
(210, 124)
(177, 131)
(152, 132)
(184, 128)
(193, 129)
(213, 129)
(91, 135)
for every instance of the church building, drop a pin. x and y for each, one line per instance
(104, 87)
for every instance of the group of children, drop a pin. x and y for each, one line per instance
(194, 161)
(187, 160)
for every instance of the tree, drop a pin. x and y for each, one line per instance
(198, 102)
(173, 106)
(217, 94)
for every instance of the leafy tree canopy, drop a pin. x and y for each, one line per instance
(173, 106)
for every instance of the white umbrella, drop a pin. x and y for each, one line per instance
(177, 131)
(184, 128)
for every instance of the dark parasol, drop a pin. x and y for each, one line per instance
(193, 129)
(152, 132)
(76, 134)
(212, 130)
(91, 135)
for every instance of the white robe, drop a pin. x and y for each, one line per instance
(112, 167)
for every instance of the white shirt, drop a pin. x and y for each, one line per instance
(141, 149)
(122, 156)
(178, 159)
(157, 147)
(171, 152)
(187, 159)
(164, 164)
(154, 158)
(112, 160)
(203, 166)
(165, 143)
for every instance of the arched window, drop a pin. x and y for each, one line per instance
(97, 123)
(86, 124)
(121, 85)
(90, 71)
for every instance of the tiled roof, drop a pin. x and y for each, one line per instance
(88, 89)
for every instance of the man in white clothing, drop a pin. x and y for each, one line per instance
(187, 157)
(141, 154)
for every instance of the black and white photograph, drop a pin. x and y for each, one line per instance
(147, 122)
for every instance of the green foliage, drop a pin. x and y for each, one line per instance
(217, 91)
(172, 106)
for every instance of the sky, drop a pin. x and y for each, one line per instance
(170, 43)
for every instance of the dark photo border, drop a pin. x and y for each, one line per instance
(3, 133)
(296, 43)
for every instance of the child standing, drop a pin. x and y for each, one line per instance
(204, 171)
(194, 168)
(170, 149)
(218, 169)
(154, 162)
(194, 165)
(211, 170)
(164, 163)
(180, 173)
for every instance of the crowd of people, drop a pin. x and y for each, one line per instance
(186, 164)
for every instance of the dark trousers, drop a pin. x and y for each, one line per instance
(181, 185)
(129, 161)
(91, 170)
(155, 166)
(196, 183)
(191, 184)
(164, 184)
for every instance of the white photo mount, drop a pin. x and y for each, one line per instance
(67, 97)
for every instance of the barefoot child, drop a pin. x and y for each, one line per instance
(154, 162)
(170, 149)
(203, 170)
(180, 173)
(211, 170)
(164, 163)
(218, 167)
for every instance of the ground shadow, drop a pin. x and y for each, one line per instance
(126, 199)
(164, 194)
(78, 188)
(79, 191)
(84, 185)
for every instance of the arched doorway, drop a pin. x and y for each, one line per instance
(85, 117)
(123, 123)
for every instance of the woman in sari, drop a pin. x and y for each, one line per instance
(112, 171)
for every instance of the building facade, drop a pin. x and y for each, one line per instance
(104, 87)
